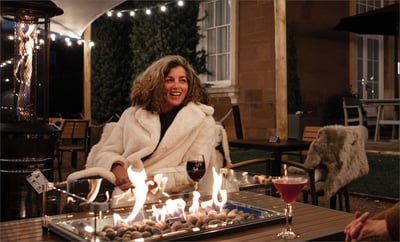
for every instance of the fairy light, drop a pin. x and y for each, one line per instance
(148, 10)
(119, 13)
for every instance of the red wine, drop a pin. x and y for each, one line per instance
(196, 169)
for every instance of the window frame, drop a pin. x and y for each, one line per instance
(232, 88)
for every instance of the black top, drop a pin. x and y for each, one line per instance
(166, 120)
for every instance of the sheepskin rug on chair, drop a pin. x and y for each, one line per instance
(341, 151)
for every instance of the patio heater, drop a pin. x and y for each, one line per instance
(27, 139)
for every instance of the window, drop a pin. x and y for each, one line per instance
(369, 58)
(216, 29)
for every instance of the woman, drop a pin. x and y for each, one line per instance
(169, 119)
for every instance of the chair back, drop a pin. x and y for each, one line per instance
(228, 115)
(310, 133)
(340, 150)
(353, 111)
(74, 129)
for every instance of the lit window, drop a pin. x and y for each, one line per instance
(216, 29)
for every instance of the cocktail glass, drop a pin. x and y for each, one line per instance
(289, 189)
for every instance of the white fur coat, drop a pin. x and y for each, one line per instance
(137, 134)
(341, 151)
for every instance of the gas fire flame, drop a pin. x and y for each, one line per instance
(172, 207)
(138, 179)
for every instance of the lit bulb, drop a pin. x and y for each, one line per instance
(119, 14)
(132, 13)
(148, 11)
(180, 3)
(163, 8)
(53, 37)
(109, 13)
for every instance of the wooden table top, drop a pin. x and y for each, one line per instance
(264, 144)
(382, 101)
(310, 221)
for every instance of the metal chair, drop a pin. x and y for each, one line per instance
(353, 111)
(74, 138)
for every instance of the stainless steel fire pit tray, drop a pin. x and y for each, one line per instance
(72, 227)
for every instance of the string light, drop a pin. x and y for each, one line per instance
(119, 13)
(162, 7)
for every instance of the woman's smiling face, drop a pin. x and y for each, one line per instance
(176, 87)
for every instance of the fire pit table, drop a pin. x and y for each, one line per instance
(182, 216)
(312, 222)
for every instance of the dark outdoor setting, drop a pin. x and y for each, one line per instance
(200, 120)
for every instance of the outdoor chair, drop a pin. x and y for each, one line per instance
(226, 115)
(352, 111)
(335, 158)
(309, 135)
(74, 137)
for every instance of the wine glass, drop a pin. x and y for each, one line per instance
(196, 168)
(289, 189)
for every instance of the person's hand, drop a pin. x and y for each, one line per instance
(374, 230)
(121, 177)
(363, 228)
(151, 183)
(353, 229)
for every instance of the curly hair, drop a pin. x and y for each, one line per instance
(148, 87)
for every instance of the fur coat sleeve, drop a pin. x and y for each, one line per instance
(136, 135)
(392, 217)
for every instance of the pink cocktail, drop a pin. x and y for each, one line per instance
(289, 189)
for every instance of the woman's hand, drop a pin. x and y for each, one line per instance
(121, 177)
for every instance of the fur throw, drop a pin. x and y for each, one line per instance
(340, 150)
